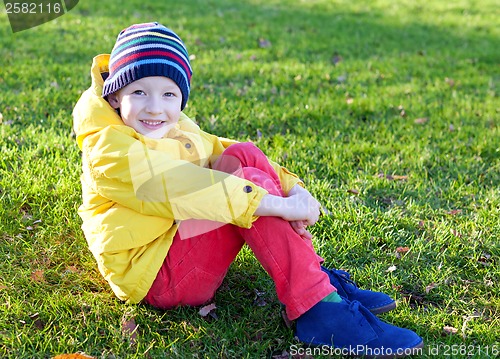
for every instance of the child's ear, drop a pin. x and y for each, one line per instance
(113, 101)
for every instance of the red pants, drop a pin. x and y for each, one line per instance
(195, 267)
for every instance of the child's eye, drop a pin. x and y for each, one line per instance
(138, 92)
(169, 94)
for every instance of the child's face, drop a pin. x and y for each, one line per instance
(151, 105)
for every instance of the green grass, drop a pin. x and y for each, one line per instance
(345, 94)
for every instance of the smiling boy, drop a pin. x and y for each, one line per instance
(167, 206)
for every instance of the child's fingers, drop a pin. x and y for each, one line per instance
(306, 235)
(297, 226)
(301, 230)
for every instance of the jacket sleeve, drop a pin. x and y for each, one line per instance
(288, 179)
(157, 183)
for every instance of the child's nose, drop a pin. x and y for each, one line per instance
(154, 106)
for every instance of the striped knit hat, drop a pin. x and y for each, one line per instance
(148, 49)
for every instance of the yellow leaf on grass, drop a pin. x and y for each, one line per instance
(399, 177)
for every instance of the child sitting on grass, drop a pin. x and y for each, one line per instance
(167, 207)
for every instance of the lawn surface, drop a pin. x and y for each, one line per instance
(388, 110)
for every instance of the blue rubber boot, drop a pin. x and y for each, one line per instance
(376, 302)
(349, 329)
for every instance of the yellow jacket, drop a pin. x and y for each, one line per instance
(136, 189)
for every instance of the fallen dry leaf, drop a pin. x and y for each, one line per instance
(450, 330)
(391, 269)
(37, 322)
(430, 287)
(73, 356)
(207, 309)
(38, 276)
(454, 212)
(353, 191)
(336, 59)
(263, 43)
(71, 269)
(288, 322)
(259, 134)
(421, 121)
(399, 178)
(484, 259)
(259, 300)
(393, 177)
(284, 355)
(402, 111)
(129, 328)
(402, 249)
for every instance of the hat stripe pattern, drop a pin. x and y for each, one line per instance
(118, 62)
(156, 39)
(153, 56)
(148, 49)
(141, 44)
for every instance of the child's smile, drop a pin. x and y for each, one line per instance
(152, 125)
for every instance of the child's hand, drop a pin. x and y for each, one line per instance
(300, 205)
(301, 230)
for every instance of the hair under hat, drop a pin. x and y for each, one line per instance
(148, 49)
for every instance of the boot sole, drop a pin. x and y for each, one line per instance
(383, 309)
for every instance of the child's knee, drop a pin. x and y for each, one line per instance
(241, 149)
